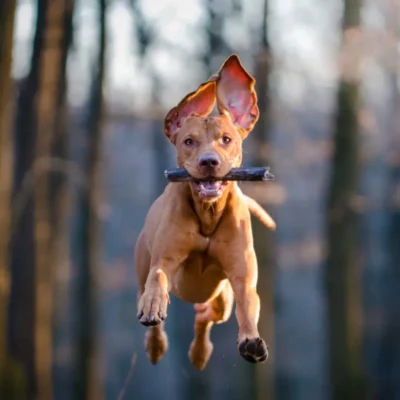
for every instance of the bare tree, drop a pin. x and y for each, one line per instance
(60, 181)
(213, 31)
(7, 10)
(22, 296)
(390, 355)
(47, 101)
(263, 239)
(342, 266)
(87, 383)
(389, 360)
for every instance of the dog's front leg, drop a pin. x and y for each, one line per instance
(240, 265)
(243, 279)
(152, 306)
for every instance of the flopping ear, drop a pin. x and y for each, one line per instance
(236, 95)
(200, 102)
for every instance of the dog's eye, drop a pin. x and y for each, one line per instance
(226, 139)
(189, 142)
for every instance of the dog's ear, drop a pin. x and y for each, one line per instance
(200, 102)
(236, 95)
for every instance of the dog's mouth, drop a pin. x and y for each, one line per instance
(208, 190)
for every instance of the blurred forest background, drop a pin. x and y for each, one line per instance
(84, 88)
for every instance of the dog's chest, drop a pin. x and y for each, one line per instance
(198, 278)
(208, 223)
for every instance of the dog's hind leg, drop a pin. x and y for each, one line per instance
(156, 340)
(216, 311)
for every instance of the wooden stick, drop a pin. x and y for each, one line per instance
(235, 174)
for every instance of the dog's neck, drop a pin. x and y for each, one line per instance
(210, 213)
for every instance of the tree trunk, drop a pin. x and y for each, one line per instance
(390, 360)
(7, 10)
(263, 238)
(22, 297)
(214, 27)
(87, 379)
(60, 181)
(390, 356)
(47, 101)
(343, 278)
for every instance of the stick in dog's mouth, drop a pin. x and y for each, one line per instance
(235, 174)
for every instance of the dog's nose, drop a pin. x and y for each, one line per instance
(209, 161)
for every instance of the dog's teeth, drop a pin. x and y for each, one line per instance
(209, 188)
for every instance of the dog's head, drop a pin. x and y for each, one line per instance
(210, 146)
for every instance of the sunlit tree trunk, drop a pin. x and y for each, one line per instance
(343, 278)
(7, 10)
(264, 238)
(47, 101)
(87, 382)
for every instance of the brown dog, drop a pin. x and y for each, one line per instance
(197, 240)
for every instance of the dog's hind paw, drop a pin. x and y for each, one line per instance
(200, 352)
(253, 350)
(156, 343)
(153, 307)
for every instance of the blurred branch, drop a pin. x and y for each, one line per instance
(237, 6)
(7, 11)
(143, 31)
(128, 377)
(264, 33)
(214, 29)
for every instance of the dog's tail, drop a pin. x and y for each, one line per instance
(259, 212)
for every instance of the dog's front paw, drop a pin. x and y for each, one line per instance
(153, 307)
(253, 350)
